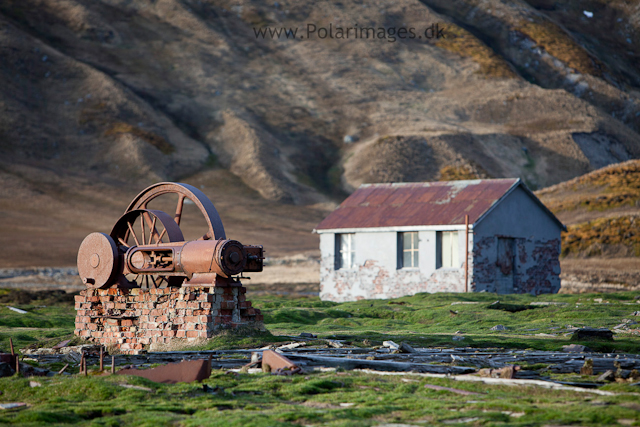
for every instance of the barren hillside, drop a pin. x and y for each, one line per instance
(100, 98)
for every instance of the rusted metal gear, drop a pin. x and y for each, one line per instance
(98, 260)
(141, 227)
(184, 191)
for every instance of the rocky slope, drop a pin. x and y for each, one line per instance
(100, 98)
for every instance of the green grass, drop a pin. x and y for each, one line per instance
(334, 399)
(315, 398)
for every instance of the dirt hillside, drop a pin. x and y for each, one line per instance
(100, 98)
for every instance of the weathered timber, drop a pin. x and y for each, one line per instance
(379, 365)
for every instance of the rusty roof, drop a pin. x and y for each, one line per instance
(421, 203)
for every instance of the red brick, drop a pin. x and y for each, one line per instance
(227, 305)
(79, 298)
(192, 334)
(181, 304)
(259, 318)
(181, 334)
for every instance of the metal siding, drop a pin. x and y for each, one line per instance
(435, 203)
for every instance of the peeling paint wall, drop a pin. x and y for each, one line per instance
(535, 269)
(376, 274)
(535, 253)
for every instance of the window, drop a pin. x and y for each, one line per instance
(408, 250)
(447, 250)
(345, 251)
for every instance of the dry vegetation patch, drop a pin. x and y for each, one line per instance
(607, 236)
(560, 45)
(464, 43)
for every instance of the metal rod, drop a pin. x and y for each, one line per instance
(142, 228)
(101, 359)
(160, 237)
(132, 233)
(113, 364)
(178, 215)
(17, 365)
(81, 363)
(11, 345)
(466, 253)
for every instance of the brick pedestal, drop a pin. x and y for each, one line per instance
(133, 319)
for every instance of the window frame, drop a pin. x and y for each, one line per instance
(351, 251)
(414, 250)
(440, 249)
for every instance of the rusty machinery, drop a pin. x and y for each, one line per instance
(146, 247)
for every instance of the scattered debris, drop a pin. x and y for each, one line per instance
(383, 365)
(391, 345)
(452, 390)
(590, 334)
(587, 368)
(406, 348)
(588, 14)
(460, 420)
(458, 338)
(292, 346)
(17, 310)
(547, 303)
(636, 313)
(61, 344)
(34, 384)
(453, 313)
(12, 406)
(6, 369)
(278, 364)
(136, 387)
(183, 372)
(464, 302)
(607, 376)
(307, 335)
(508, 372)
(499, 328)
(575, 348)
(334, 344)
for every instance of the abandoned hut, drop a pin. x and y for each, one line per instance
(391, 240)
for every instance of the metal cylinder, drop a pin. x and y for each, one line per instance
(222, 257)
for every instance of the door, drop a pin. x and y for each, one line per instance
(505, 275)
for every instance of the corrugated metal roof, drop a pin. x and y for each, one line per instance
(420, 203)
